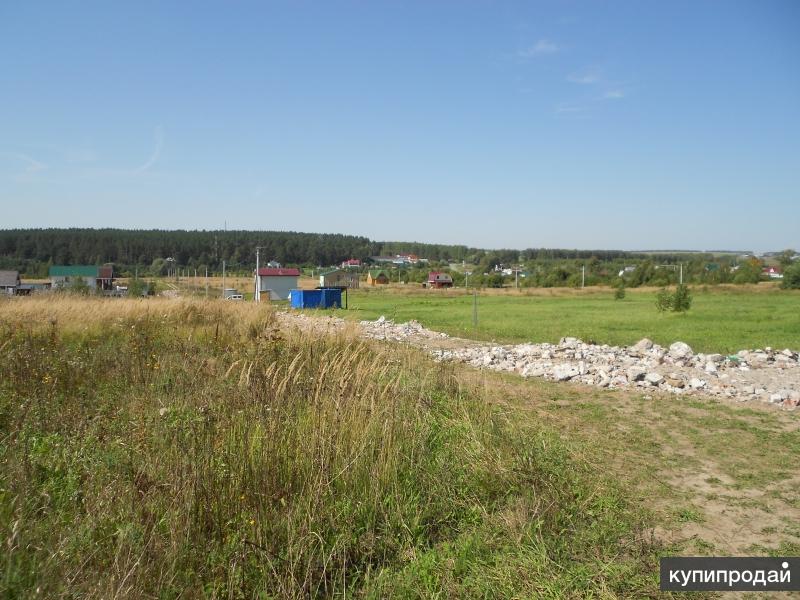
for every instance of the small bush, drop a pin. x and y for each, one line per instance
(679, 301)
(619, 293)
(663, 300)
(791, 277)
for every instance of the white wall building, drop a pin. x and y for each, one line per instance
(276, 284)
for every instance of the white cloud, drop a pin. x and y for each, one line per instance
(33, 165)
(563, 108)
(585, 77)
(540, 48)
(614, 94)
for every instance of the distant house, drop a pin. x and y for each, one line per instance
(352, 263)
(94, 277)
(277, 283)
(9, 282)
(437, 279)
(773, 272)
(273, 264)
(382, 259)
(377, 277)
(339, 278)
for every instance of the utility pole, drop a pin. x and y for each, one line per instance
(516, 277)
(681, 273)
(475, 309)
(223, 279)
(583, 276)
(257, 295)
(206, 281)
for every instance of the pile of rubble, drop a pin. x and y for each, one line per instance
(767, 374)
(385, 329)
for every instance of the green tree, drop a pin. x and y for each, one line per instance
(619, 292)
(748, 272)
(681, 299)
(785, 258)
(663, 300)
(137, 287)
(791, 277)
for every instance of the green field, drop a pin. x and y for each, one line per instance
(720, 320)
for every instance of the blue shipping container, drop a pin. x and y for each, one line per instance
(324, 298)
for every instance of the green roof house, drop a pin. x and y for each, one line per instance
(94, 277)
(377, 277)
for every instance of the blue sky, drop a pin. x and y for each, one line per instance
(628, 125)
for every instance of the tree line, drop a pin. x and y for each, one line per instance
(32, 251)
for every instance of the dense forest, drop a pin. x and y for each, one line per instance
(31, 251)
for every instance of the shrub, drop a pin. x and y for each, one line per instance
(791, 277)
(137, 287)
(681, 299)
(663, 300)
(619, 293)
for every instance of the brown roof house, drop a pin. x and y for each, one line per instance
(437, 279)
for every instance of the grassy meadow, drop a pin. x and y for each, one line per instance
(183, 448)
(722, 318)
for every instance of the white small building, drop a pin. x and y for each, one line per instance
(276, 284)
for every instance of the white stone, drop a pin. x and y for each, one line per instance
(564, 372)
(654, 378)
(636, 373)
(642, 345)
(680, 350)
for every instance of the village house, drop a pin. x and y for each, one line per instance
(437, 279)
(94, 277)
(339, 278)
(9, 282)
(377, 277)
(352, 263)
(773, 272)
(276, 283)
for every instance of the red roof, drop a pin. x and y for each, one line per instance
(279, 272)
